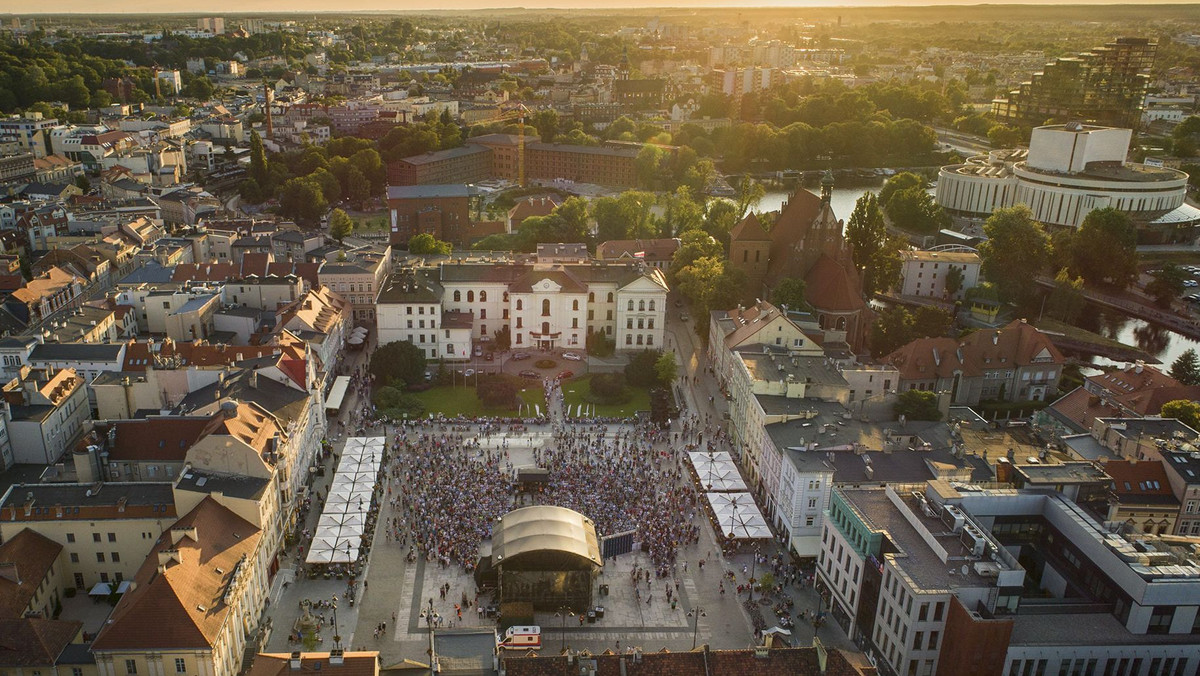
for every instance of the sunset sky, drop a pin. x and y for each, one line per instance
(217, 6)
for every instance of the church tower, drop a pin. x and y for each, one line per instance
(623, 66)
(750, 252)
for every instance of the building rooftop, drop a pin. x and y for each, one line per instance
(91, 352)
(241, 487)
(84, 502)
(1061, 474)
(403, 192)
(32, 554)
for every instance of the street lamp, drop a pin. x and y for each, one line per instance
(564, 612)
(428, 615)
(697, 613)
(337, 638)
(753, 567)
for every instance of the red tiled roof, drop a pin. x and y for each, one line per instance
(183, 606)
(1082, 408)
(749, 229)
(659, 249)
(1135, 480)
(159, 438)
(830, 286)
(34, 641)
(776, 662)
(138, 356)
(1009, 347)
(364, 663)
(33, 554)
(256, 264)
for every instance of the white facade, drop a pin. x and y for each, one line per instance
(1066, 173)
(415, 322)
(923, 273)
(803, 496)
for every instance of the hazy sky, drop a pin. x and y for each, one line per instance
(306, 6)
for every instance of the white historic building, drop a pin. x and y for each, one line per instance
(544, 306)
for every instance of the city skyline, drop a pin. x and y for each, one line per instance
(314, 6)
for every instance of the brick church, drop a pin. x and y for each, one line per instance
(806, 243)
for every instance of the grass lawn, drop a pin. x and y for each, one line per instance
(452, 401)
(575, 389)
(370, 222)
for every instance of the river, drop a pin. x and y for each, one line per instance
(1161, 343)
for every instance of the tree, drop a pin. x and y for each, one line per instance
(82, 182)
(954, 281)
(1066, 300)
(930, 322)
(502, 338)
(426, 244)
(902, 181)
(640, 371)
(1186, 412)
(1186, 369)
(1001, 136)
(358, 188)
(1015, 252)
(915, 210)
(258, 160)
(917, 405)
(1105, 250)
(399, 363)
(719, 218)
(666, 369)
(302, 199)
(694, 245)
(750, 193)
(866, 233)
(497, 392)
(1167, 284)
(340, 225)
(609, 388)
(891, 331)
(199, 88)
(790, 292)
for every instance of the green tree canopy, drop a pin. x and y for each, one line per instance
(1016, 250)
(790, 292)
(917, 405)
(426, 244)
(666, 368)
(398, 363)
(1105, 249)
(1186, 369)
(1186, 412)
(340, 225)
(1167, 284)
(901, 181)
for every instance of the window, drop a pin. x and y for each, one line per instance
(575, 306)
(937, 611)
(631, 305)
(1160, 620)
(116, 557)
(520, 305)
(652, 306)
(483, 330)
(574, 322)
(518, 339)
(409, 308)
(609, 317)
(76, 671)
(180, 665)
(95, 537)
(458, 296)
(545, 307)
(483, 314)
(639, 339)
(470, 296)
(130, 667)
(610, 296)
(628, 339)
(70, 537)
(641, 306)
(629, 322)
(483, 296)
(591, 296)
(591, 315)
(650, 323)
(933, 640)
(99, 557)
(520, 323)
(74, 557)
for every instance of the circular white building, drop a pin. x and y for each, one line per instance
(1068, 171)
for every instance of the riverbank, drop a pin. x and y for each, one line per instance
(1070, 338)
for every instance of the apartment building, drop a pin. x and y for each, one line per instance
(935, 579)
(359, 278)
(925, 273)
(443, 211)
(196, 601)
(105, 529)
(45, 410)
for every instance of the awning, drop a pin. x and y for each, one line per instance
(336, 395)
(101, 589)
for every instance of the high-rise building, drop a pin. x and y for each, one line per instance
(1105, 85)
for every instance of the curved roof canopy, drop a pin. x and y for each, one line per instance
(545, 538)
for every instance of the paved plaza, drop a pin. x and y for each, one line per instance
(397, 590)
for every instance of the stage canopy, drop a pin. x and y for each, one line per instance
(545, 538)
(343, 521)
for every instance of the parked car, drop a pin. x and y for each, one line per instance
(520, 356)
(532, 375)
(565, 375)
(684, 316)
(678, 303)
(478, 350)
(469, 372)
(571, 356)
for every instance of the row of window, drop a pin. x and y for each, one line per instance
(641, 304)
(180, 666)
(115, 557)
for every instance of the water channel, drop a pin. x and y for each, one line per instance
(1161, 343)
